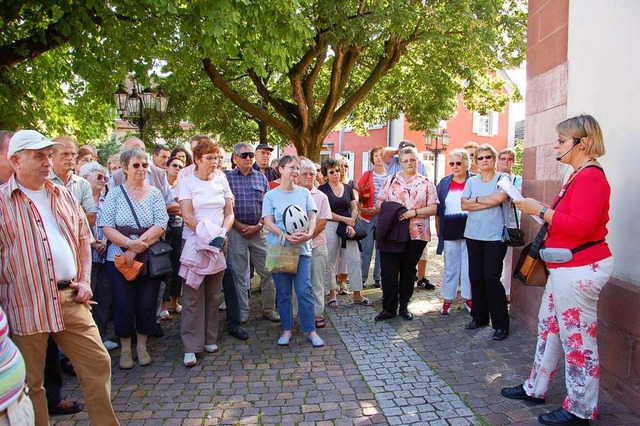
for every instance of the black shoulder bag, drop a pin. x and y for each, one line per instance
(158, 255)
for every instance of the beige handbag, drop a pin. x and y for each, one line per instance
(282, 258)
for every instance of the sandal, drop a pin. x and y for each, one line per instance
(333, 303)
(165, 315)
(363, 302)
(65, 407)
(321, 322)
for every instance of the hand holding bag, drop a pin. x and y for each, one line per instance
(282, 258)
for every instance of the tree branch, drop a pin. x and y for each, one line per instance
(275, 103)
(310, 81)
(333, 97)
(259, 113)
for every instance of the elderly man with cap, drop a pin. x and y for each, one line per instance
(263, 161)
(391, 162)
(44, 281)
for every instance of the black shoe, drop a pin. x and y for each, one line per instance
(239, 333)
(406, 315)
(426, 284)
(376, 284)
(476, 324)
(500, 334)
(517, 392)
(561, 417)
(159, 332)
(384, 315)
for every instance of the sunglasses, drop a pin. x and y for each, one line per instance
(100, 176)
(245, 155)
(455, 163)
(486, 157)
(332, 172)
(137, 165)
(176, 165)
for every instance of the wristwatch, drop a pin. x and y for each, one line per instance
(542, 212)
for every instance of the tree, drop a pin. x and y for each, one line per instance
(295, 67)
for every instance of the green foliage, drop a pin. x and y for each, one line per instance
(299, 67)
(517, 166)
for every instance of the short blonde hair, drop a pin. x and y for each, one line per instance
(486, 147)
(470, 144)
(585, 130)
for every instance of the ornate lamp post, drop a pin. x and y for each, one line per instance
(136, 107)
(437, 142)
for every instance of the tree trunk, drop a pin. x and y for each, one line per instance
(309, 146)
(262, 128)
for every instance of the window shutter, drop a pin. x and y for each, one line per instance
(495, 117)
(475, 122)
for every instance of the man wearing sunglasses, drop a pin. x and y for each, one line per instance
(247, 242)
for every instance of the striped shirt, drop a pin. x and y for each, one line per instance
(28, 289)
(12, 368)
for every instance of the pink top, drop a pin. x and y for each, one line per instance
(324, 212)
(417, 193)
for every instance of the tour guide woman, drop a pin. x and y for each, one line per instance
(418, 195)
(484, 201)
(273, 207)
(568, 313)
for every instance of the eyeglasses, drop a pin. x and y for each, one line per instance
(561, 141)
(177, 166)
(455, 163)
(137, 165)
(209, 158)
(245, 155)
(100, 176)
(332, 172)
(294, 168)
(409, 160)
(486, 157)
(506, 159)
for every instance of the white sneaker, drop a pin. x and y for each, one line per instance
(109, 345)
(189, 359)
(211, 348)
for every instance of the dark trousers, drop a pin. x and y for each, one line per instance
(485, 270)
(398, 272)
(101, 289)
(134, 303)
(231, 296)
(52, 374)
(173, 280)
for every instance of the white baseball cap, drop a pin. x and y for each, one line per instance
(28, 139)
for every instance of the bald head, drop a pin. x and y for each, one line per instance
(132, 143)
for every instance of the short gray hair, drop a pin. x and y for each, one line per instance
(463, 154)
(408, 150)
(128, 155)
(91, 167)
(308, 164)
(240, 146)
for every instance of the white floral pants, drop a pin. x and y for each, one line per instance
(567, 325)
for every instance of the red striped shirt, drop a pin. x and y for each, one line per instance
(28, 288)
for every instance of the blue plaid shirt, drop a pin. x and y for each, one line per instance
(248, 191)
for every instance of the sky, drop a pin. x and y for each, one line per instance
(519, 77)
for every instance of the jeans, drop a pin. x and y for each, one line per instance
(301, 281)
(368, 244)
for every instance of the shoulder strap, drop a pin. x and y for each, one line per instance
(565, 189)
(126, 197)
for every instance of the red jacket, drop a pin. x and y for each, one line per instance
(366, 180)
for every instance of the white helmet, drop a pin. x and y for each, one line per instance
(295, 219)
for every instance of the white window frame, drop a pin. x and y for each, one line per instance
(485, 125)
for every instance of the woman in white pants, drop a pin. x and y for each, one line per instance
(450, 224)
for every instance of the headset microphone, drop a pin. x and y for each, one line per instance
(560, 157)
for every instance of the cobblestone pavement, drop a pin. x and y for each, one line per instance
(429, 371)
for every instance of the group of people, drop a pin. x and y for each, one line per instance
(78, 244)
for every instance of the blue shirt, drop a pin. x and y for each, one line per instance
(275, 203)
(249, 191)
(484, 225)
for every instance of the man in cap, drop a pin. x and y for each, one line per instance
(263, 162)
(46, 265)
(391, 162)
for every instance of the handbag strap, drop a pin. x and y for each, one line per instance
(126, 197)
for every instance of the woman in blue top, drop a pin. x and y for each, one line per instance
(484, 201)
(274, 204)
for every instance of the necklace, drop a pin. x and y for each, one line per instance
(340, 190)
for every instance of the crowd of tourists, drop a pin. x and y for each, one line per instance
(150, 236)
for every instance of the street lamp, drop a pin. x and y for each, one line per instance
(431, 141)
(136, 107)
